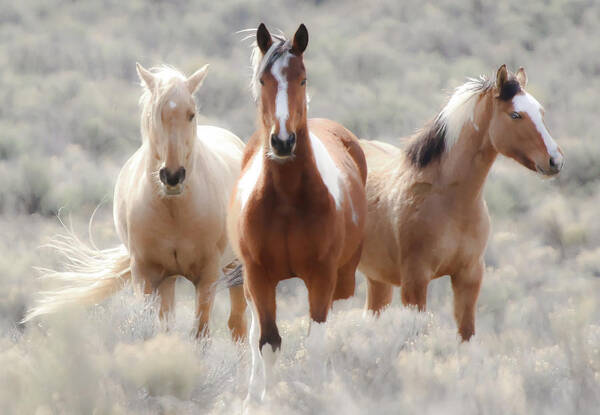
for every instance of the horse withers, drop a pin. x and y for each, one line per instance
(170, 206)
(299, 208)
(427, 216)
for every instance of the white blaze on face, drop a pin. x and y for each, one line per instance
(330, 173)
(248, 181)
(281, 100)
(529, 105)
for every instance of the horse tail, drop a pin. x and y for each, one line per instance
(90, 275)
(233, 275)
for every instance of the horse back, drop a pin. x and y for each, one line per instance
(332, 134)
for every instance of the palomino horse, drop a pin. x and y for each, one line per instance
(299, 207)
(427, 217)
(170, 208)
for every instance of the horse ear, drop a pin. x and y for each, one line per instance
(522, 77)
(300, 40)
(195, 81)
(501, 77)
(263, 38)
(145, 75)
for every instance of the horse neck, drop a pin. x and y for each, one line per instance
(288, 177)
(469, 161)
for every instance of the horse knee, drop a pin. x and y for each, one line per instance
(320, 295)
(270, 337)
(319, 306)
(379, 295)
(415, 294)
(466, 286)
(344, 288)
(238, 327)
(467, 331)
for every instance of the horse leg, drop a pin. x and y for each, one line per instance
(237, 315)
(166, 291)
(321, 286)
(414, 288)
(379, 295)
(345, 285)
(150, 278)
(205, 295)
(145, 275)
(265, 340)
(466, 284)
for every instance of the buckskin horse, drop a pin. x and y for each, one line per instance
(426, 214)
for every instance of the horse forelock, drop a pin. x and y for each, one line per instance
(262, 63)
(152, 102)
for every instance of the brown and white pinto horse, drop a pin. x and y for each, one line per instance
(299, 207)
(427, 217)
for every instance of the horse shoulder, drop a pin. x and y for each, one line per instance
(326, 128)
(251, 148)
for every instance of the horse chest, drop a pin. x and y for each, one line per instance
(445, 234)
(176, 241)
(289, 234)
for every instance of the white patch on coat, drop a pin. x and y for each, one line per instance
(250, 177)
(330, 173)
(529, 105)
(172, 104)
(281, 100)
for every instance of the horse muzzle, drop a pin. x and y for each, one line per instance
(283, 148)
(555, 165)
(172, 181)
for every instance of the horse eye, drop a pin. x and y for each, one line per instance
(261, 81)
(515, 115)
(191, 116)
(303, 82)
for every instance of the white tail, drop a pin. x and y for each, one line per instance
(90, 275)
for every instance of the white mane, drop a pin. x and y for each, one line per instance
(460, 108)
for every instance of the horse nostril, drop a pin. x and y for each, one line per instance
(181, 172)
(171, 179)
(274, 140)
(553, 163)
(163, 175)
(292, 138)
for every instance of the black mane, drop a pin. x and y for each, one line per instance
(428, 144)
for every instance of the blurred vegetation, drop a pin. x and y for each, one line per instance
(67, 68)
(69, 120)
(69, 92)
